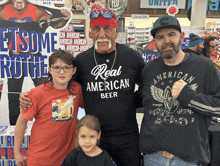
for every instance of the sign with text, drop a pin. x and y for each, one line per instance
(162, 4)
(212, 6)
(140, 16)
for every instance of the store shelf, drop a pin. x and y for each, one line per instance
(137, 35)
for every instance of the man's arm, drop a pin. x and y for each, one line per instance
(43, 15)
(24, 100)
(202, 103)
(65, 19)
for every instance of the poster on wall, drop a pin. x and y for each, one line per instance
(72, 37)
(29, 32)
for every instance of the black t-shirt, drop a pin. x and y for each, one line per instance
(115, 106)
(78, 158)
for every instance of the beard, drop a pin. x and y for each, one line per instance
(198, 49)
(103, 40)
(170, 53)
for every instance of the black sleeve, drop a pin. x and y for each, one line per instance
(108, 159)
(70, 159)
(207, 104)
(76, 76)
(138, 99)
(138, 94)
(140, 66)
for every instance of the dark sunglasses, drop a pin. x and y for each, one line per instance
(104, 13)
(212, 46)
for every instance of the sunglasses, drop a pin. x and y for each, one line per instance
(104, 13)
(211, 46)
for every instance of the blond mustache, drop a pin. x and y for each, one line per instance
(103, 40)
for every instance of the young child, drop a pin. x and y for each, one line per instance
(55, 107)
(86, 150)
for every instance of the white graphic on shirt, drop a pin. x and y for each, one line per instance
(168, 108)
(164, 97)
(101, 73)
(62, 109)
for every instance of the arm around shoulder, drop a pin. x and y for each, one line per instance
(24, 100)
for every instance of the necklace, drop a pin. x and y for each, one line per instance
(104, 83)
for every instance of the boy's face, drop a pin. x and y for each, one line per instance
(61, 73)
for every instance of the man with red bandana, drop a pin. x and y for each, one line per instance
(108, 72)
(21, 12)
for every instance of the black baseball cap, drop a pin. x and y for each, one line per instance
(165, 22)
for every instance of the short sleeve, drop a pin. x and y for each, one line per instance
(30, 113)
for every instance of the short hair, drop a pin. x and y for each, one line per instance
(67, 58)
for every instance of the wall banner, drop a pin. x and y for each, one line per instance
(30, 31)
(162, 4)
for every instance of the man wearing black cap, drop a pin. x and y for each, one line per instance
(195, 44)
(180, 93)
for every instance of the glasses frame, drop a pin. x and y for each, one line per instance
(60, 68)
(212, 47)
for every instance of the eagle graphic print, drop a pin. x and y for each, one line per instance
(168, 110)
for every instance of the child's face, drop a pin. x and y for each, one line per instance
(88, 139)
(61, 73)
